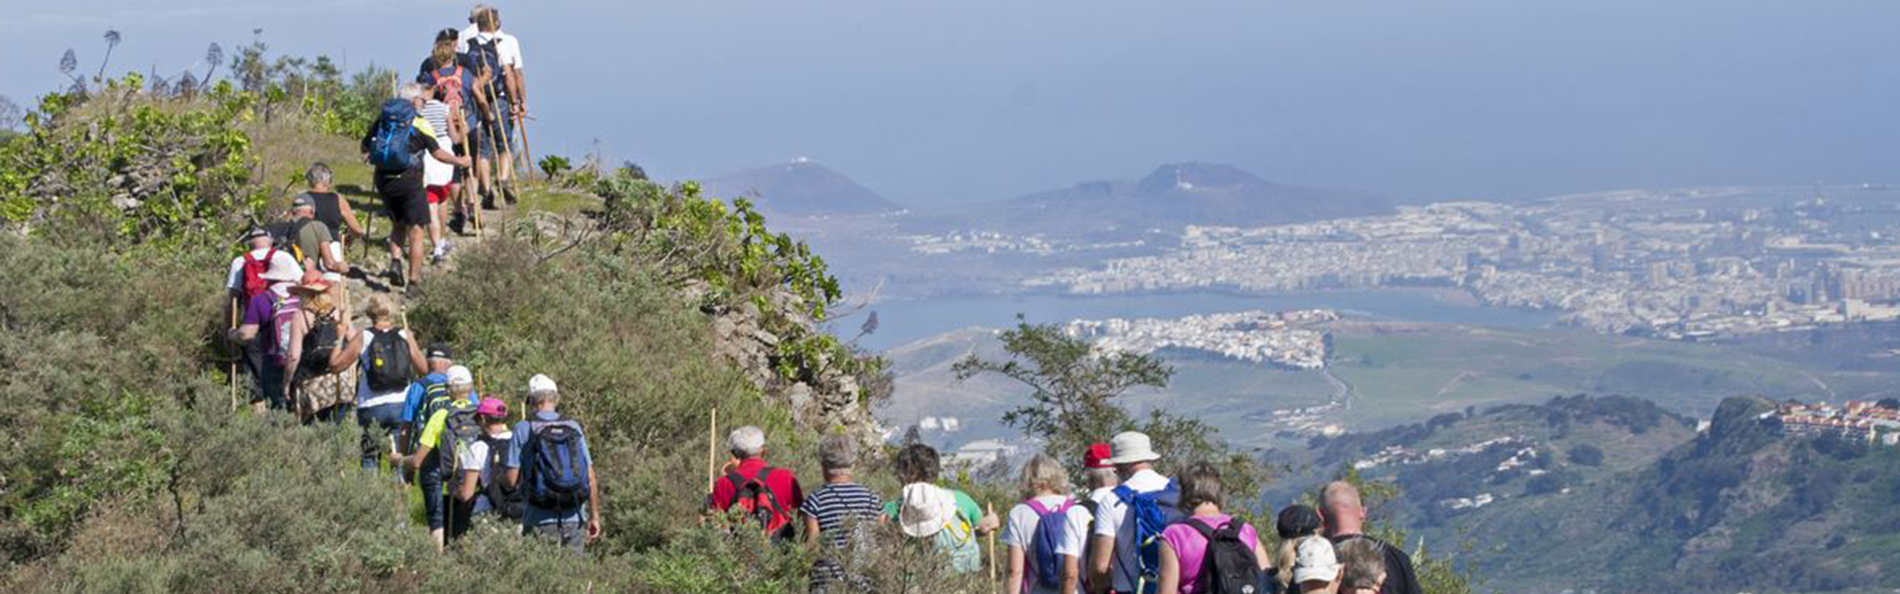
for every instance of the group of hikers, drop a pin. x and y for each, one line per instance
(1130, 530)
(444, 142)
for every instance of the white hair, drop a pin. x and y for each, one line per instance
(411, 92)
(746, 442)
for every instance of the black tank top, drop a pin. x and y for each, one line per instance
(329, 211)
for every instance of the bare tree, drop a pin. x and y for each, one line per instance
(112, 41)
(68, 63)
(10, 113)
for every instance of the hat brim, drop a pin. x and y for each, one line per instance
(1132, 459)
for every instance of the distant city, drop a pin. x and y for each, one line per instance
(1290, 339)
(1671, 265)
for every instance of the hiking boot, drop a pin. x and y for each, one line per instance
(396, 278)
(508, 193)
(458, 222)
(488, 201)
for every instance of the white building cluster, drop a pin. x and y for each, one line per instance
(1291, 339)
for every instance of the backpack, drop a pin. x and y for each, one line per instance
(460, 429)
(958, 540)
(453, 98)
(556, 476)
(1229, 565)
(752, 496)
(254, 270)
(1051, 526)
(284, 234)
(435, 397)
(389, 145)
(319, 342)
(486, 55)
(283, 315)
(1138, 540)
(388, 367)
(505, 500)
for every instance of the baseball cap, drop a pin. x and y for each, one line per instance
(1097, 456)
(492, 408)
(1296, 521)
(439, 351)
(1315, 561)
(253, 233)
(459, 375)
(541, 383)
(300, 201)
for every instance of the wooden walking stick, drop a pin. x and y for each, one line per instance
(991, 508)
(234, 361)
(527, 156)
(712, 451)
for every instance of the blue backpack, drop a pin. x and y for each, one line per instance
(1051, 527)
(389, 146)
(1137, 564)
(556, 474)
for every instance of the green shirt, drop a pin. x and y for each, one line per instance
(312, 239)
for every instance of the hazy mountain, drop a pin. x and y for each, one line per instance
(1202, 194)
(800, 187)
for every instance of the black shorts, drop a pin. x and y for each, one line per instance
(404, 200)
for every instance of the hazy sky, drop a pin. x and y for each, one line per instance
(935, 102)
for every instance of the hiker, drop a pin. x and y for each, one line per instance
(1210, 552)
(481, 489)
(1296, 522)
(495, 57)
(261, 279)
(322, 349)
(1100, 479)
(770, 496)
(438, 177)
(1316, 568)
(1044, 533)
(331, 209)
(1125, 552)
(428, 394)
(838, 517)
(311, 239)
(427, 459)
(1365, 567)
(393, 143)
(388, 365)
(448, 72)
(548, 462)
(948, 517)
(1345, 517)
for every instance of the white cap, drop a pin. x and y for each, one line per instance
(925, 509)
(1314, 561)
(460, 375)
(541, 383)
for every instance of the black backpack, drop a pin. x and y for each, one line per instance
(388, 368)
(488, 55)
(319, 342)
(553, 475)
(1229, 566)
(505, 500)
(460, 428)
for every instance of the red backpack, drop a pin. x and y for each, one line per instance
(752, 496)
(254, 269)
(454, 99)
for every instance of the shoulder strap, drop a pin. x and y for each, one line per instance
(1037, 506)
(1200, 526)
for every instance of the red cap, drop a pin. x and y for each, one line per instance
(1096, 455)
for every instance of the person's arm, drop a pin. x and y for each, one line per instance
(1071, 573)
(414, 461)
(448, 157)
(1170, 582)
(458, 126)
(1014, 583)
(594, 529)
(343, 358)
(1260, 555)
(349, 217)
(415, 354)
(244, 333)
(811, 530)
(1101, 553)
(295, 356)
(470, 478)
(515, 86)
(332, 254)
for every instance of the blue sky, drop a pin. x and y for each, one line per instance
(970, 100)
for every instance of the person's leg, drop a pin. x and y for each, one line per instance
(436, 195)
(484, 165)
(415, 254)
(273, 382)
(430, 482)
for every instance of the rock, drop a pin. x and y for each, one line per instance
(766, 338)
(800, 396)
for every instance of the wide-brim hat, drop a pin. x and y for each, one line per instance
(283, 269)
(313, 282)
(1130, 447)
(925, 510)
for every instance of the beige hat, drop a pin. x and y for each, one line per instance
(926, 509)
(1314, 560)
(1130, 447)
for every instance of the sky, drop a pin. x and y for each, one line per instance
(948, 102)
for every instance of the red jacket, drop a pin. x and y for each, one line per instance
(782, 482)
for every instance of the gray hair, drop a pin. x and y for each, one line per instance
(1044, 474)
(746, 442)
(1365, 564)
(1338, 495)
(411, 92)
(540, 397)
(837, 452)
(1099, 478)
(318, 174)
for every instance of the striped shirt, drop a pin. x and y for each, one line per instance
(833, 506)
(437, 173)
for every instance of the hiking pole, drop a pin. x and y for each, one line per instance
(527, 156)
(712, 450)
(994, 585)
(240, 353)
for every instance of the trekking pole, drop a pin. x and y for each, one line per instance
(490, 128)
(469, 206)
(240, 353)
(712, 450)
(500, 139)
(994, 585)
(527, 156)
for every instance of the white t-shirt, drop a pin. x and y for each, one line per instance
(509, 49)
(475, 456)
(434, 172)
(1020, 530)
(236, 278)
(366, 398)
(1110, 507)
